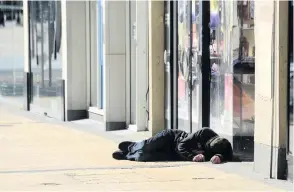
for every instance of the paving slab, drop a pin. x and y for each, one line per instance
(186, 178)
(43, 156)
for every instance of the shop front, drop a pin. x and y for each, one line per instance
(44, 82)
(209, 69)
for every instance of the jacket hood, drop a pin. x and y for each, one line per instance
(218, 145)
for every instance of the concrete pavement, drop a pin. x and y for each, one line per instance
(43, 156)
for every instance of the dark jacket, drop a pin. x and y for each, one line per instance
(204, 141)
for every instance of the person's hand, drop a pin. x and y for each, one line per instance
(199, 158)
(215, 160)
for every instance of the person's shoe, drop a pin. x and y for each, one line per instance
(124, 146)
(118, 155)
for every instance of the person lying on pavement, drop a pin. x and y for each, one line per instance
(177, 145)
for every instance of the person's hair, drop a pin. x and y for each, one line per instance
(222, 146)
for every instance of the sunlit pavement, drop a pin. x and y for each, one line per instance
(43, 156)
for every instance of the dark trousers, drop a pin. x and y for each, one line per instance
(160, 147)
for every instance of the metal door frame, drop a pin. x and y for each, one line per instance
(289, 155)
(290, 10)
(205, 69)
(168, 60)
(174, 62)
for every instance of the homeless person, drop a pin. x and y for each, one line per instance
(177, 145)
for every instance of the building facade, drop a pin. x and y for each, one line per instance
(151, 65)
(87, 59)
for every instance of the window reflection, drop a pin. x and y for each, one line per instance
(196, 82)
(232, 52)
(11, 51)
(184, 16)
(291, 78)
(45, 51)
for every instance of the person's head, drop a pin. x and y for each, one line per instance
(220, 145)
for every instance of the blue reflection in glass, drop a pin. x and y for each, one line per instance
(100, 52)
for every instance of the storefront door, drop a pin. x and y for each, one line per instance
(209, 69)
(183, 79)
(45, 58)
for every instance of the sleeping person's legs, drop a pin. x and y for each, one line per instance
(155, 148)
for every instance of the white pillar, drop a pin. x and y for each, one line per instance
(271, 88)
(74, 58)
(156, 66)
(115, 65)
(141, 65)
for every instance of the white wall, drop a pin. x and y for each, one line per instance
(78, 39)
